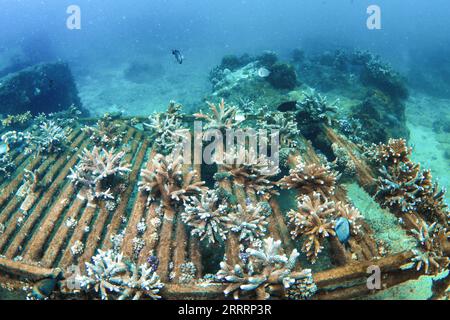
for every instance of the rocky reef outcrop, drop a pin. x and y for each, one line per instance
(378, 92)
(46, 87)
(371, 93)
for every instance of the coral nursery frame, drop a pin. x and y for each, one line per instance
(44, 242)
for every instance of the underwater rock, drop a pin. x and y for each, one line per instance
(282, 76)
(287, 106)
(47, 87)
(233, 62)
(384, 78)
(298, 56)
(267, 59)
(381, 117)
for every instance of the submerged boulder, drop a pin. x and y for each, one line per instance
(282, 76)
(46, 87)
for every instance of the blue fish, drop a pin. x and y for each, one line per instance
(342, 229)
(4, 148)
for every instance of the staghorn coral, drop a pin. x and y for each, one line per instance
(352, 215)
(263, 269)
(99, 173)
(314, 108)
(249, 223)
(19, 120)
(168, 180)
(399, 186)
(314, 219)
(430, 255)
(222, 117)
(138, 245)
(143, 282)
(392, 153)
(13, 138)
(286, 126)
(343, 161)
(6, 165)
(303, 288)
(310, 178)
(107, 133)
(434, 204)
(64, 118)
(47, 138)
(31, 183)
(141, 226)
(208, 216)
(251, 171)
(431, 200)
(403, 187)
(104, 274)
(247, 105)
(111, 277)
(166, 128)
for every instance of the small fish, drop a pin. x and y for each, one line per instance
(4, 148)
(263, 72)
(178, 56)
(239, 117)
(342, 229)
(287, 106)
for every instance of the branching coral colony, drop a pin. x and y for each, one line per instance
(100, 174)
(166, 128)
(45, 137)
(250, 171)
(222, 116)
(208, 217)
(317, 216)
(107, 133)
(310, 178)
(168, 181)
(111, 277)
(314, 108)
(407, 190)
(261, 269)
